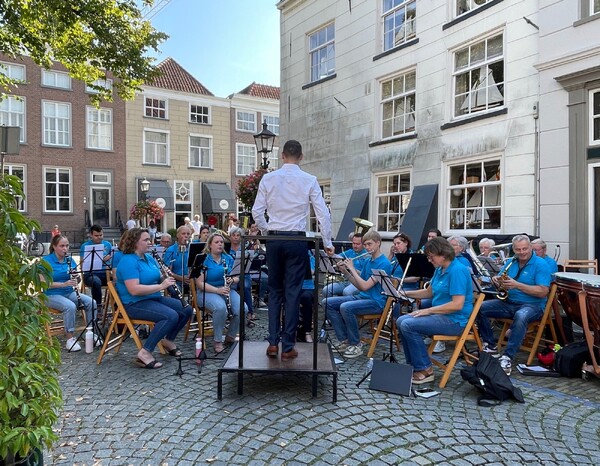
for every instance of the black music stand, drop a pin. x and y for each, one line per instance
(419, 264)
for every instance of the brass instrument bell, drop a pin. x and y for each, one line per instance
(361, 226)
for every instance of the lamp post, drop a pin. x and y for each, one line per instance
(144, 188)
(264, 144)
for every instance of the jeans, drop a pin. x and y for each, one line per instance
(342, 312)
(215, 303)
(168, 315)
(95, 282)
(68, 305)
(521, 314)
(334, 289)
(413, 329)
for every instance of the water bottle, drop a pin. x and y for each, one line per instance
(89, 340)
(198, 349)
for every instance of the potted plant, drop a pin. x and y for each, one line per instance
(147, 210)
(29, 360)
(247, 188)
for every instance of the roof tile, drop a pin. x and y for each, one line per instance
(176, 78)
(261, 90)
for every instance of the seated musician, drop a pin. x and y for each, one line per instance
(204, 233)
(96, 277)
(527, 278)
(342, 311)
(345, 287)
(235, 236)
(431, 233)
(176, 258)
(486, 247)
(306, 304)
(540, 248)
(140, 286)
(165, 240)
(451, 291)
(401, 244)
(215, 293)
(61, 291)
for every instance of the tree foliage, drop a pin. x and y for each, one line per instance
(88, 37)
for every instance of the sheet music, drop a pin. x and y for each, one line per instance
(93, 255)
(387, 285)
(237, 264)
(326, 262)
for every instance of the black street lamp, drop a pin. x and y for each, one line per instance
(144, 188)
(264, 144)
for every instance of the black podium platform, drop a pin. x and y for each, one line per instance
(255, 360)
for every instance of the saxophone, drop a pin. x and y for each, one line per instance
(166, 272)
(503, 292)
(226, 284)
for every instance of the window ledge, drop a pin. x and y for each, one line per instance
(466, 121)
(397, 48)
(56, 146)
(200, 168)
(199, 124)
(96, 149)
(319, 81)
(590, 18)
(155, 118)
(406, 137)
(465, 16)
(161, 165)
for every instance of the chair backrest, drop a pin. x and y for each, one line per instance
(474, 313)
(575, 265)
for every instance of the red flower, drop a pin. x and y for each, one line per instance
(247, 188)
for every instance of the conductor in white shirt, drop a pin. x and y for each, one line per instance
(286, 195)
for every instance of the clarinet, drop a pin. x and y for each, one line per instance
(226, 297)
(75, 276)
(166, 272)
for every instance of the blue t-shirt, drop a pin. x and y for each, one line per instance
(94, 261)
(374, 292)
(534, 272)
(145, 269)
(175, 260)
(60, 273)
(358, 263)
(454, 281)
(309, 283)
(552, 265)
(215, 270)
(117, 256)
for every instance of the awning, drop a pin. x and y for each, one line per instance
(358, 206)
(217, 198)
(160, 191)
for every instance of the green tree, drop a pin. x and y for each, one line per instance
(88, 37)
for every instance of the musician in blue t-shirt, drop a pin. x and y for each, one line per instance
(96, 262)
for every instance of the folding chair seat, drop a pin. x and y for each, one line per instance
(57, 325)
(535, 330)
(469, 333)
(381, 325)
(196, 319)
(575, 265)
(121, 326)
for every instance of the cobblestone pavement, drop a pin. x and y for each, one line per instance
(118, 414)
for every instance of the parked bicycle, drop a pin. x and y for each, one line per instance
(29, 244)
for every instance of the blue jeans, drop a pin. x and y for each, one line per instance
(68, 306)
(335, 289)
(342, 312)
(215, 304)
(168, 315)
(521, 314)
(413, 329)
(95, 282)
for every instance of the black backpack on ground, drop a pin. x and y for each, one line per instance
(569, 360)
(491, 380)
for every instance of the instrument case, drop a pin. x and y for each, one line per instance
(569, 360)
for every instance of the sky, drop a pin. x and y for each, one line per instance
(224, 44)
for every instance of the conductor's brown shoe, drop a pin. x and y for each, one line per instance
(272, 351)
(289, 354)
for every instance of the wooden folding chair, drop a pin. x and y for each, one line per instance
(575, 265)
(196, 319)
(57, 325)
(469, 333)
(127, 324)
(535, 330)
(382, 320)
(108, 304)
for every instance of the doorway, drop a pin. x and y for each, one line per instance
(101, 206)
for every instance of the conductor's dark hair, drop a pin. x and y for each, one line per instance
(292, 148)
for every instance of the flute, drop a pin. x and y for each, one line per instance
(352, 259)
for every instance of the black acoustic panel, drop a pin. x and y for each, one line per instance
(422, 213)
(358, 206)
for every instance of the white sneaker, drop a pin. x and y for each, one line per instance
(99, 342)
(439, 347)
(353, 351)
(427, 341)
(506, 364)
(72, 345)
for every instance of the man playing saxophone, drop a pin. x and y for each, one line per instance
(526, 278)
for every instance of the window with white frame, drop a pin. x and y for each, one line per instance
(13, 71)
(463, 6)
(57, 123)
(474, 195)
(245, 159)
(399, 22)
(274, 158)
(103, 83)
(183, 200)
(19, 172)
(321, 51)
(272, 123)
(595, 116)
(12, 113)
(479, 76)
(99, 128)
(245, 121)
(156, 147)
(594, 6)
(398, 100)
(58, 79)
(326, 192)
(199, 114)
(200, 151)
(392, 198)
(155, 108)
(57, 189)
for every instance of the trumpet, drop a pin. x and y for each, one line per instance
(340, 264)
(166, 272)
